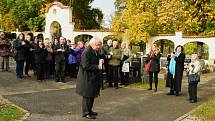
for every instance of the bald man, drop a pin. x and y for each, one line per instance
(88, 77)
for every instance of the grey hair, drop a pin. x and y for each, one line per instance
(1, 33)
(195, 56)
(94, 40)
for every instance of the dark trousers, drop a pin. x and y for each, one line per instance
(192, 89)
(114, 75)
(124, 78)
(72, 70)
(47, 69)
(27, 67)
(60, 71)
(5, 63)
(19, 68)
(40, 71)
(155, 75)
(107, 71)
(87, 105)
(170, 82)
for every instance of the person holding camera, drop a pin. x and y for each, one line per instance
(154, 68)
(19, 46)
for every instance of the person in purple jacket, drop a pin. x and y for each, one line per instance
(80, 50)
(72, 61)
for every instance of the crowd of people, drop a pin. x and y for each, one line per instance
(61, 57)
(88, 62)
(45, 57)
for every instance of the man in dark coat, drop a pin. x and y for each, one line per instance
(88, 77)
(107, 56)
(40, 59)
(4, 51)
(60, 51)
(179, 69)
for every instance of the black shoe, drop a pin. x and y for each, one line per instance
(94, 113)
(116, 87)
(176, 94)
(193, 101)
(89, 116)
(150, 89)
(8, 70)
(170, 93)
(110, 85)
(121, 84)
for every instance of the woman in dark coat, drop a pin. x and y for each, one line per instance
(88, 77)
(154, 59)
(40, 59)
(179, 69)
(19, 53)
(29, 53)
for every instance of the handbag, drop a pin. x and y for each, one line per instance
(147, 66)
(194, 78)
(125, 67)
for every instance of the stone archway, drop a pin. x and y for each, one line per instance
(61, 14)
(200, 48)
(166, 46)
(112, 37)
(82, 37)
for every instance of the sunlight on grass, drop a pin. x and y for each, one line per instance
(140, 85)
(10, 113)
(206, 111)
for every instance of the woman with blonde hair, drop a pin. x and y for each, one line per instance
(153, 58)
(193, 77)
(126, 58)
(48, 47)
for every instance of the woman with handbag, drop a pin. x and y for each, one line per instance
(153, 66)
(193, 77)
(126, 58)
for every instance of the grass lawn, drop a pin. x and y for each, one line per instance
(206, 111)
(10, 113)
(140, 85)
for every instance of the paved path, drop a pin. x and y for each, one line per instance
(50, 101)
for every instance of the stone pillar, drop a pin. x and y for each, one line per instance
(178, 39)
(212, 51)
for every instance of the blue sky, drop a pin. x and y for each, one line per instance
(107, 6)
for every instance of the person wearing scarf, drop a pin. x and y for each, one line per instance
(171, 73)
(179, 69)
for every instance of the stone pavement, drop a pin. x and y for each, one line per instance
(50, 101)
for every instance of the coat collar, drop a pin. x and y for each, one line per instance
(92, 50)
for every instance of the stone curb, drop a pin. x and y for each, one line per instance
(183, 117)
(26, 113)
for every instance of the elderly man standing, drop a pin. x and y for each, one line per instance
(88, 77)
(4, 51)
